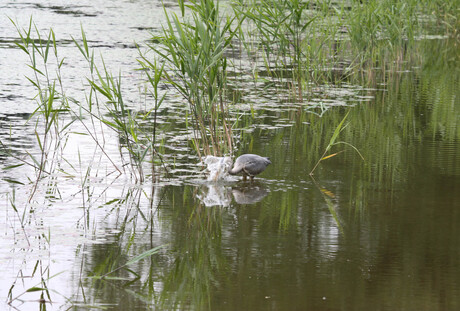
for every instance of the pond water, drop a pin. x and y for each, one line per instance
(375, 234)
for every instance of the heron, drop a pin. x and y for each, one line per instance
(249, 165)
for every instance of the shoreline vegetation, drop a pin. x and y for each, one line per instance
(291, 45)
(211, 56)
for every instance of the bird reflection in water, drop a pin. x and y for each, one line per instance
(249, 195)
(218, 191)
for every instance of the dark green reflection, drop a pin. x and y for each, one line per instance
(363, 235)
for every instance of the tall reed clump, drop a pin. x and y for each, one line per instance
(281, 27)
(195, 65)
(380, 28)
(446, 14)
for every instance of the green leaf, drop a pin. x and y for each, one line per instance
(100, 90)
(307, 24)
(35, 289)
(39, 141)
(22, 48)
(35, 69)
(148, 253)
(33, 82)
(80, 133)
(12, 181)
(12, 166)
(337, 131)
(48, 43)
(85, 42)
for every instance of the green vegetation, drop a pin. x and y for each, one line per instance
(197, 68)
(291, 46)
(213, 56)
(53, 125)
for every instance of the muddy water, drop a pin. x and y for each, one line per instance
(379, 233)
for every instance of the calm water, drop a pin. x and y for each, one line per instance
(378, 234)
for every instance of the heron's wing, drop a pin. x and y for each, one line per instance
(253, 167)
(256, 166)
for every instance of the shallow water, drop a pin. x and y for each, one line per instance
(379, 233)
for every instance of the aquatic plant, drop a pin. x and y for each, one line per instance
(303, 42)
(340, 127)
(280, 27)
(56, 112)
(50, 129)
(123, 120)
(193, 51)
(154, 74)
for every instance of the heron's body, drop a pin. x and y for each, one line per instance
(249, 165)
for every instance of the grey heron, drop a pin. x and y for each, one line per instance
(249, 165)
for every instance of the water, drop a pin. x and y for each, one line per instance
(379, 233)
(218, 168)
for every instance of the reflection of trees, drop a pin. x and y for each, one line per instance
(199, 261)
(288, 249)
(408, 136)
(221, 253)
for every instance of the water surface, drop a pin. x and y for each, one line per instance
(373, 234)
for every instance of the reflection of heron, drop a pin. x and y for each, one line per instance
(249, 195)
(249, 165)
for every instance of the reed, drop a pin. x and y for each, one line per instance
(116, 113)
(51, 129)
(196, 67)
(280, 28)
(306, 42)
(105, 107)
(154, 74)
(340, 127)
(379, 29)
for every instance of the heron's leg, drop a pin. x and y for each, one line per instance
(244, 177)
(252, 178)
